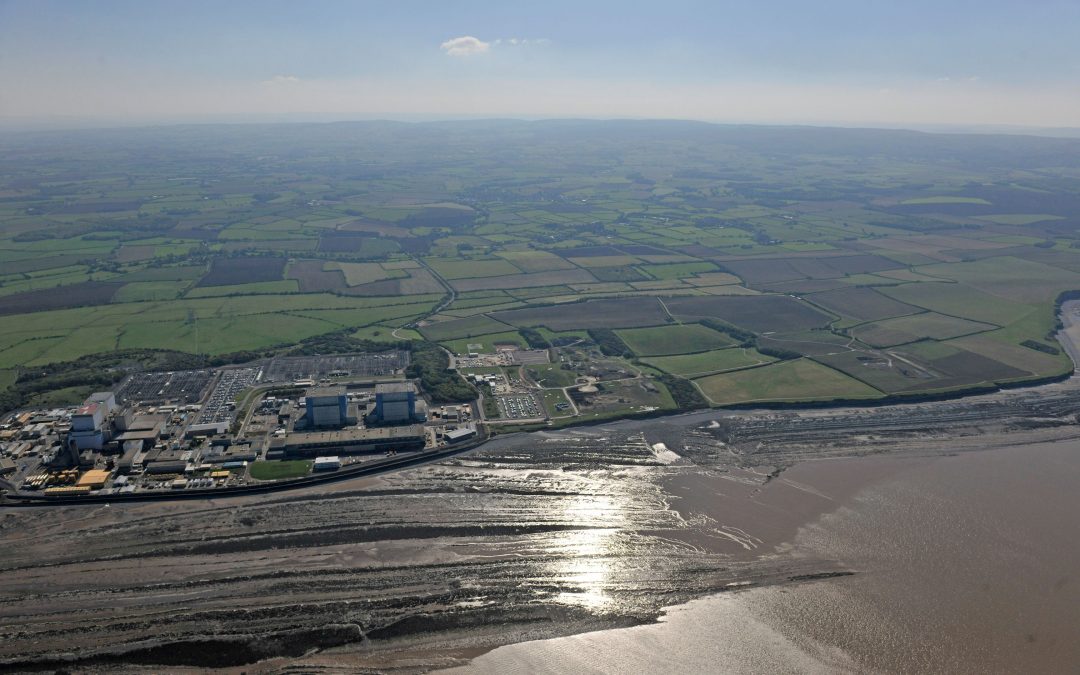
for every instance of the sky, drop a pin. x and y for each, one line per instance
(847, 62)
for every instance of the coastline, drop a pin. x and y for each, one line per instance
(1068, 336)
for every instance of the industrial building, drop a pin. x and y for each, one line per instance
(349, 441)
(94, 479)
(459, 434)
(105, 399)
(87, 427)
(220, 453)
(132, 450)
(395, 403)
(207, 429)
(326, 408)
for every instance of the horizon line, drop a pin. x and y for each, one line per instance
(72, 123)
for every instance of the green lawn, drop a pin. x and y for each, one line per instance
(278, 470)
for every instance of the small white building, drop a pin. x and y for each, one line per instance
(326, 464)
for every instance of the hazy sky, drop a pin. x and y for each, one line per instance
(851, 61)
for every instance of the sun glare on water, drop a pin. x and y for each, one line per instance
(588, 553)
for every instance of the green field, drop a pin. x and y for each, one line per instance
(1009, 277)
(210, 325)
(678, 339)
(800, 380)
(552, 375)
(678, 270)
(365, 273)
(458, 328)
(917, 327)
(266, 287)
(554, 398)
(150, 290)
(472, 269)
(280, 469)
(486, 343)
(706, 363)
(960, 301)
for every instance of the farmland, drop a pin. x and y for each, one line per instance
(680, 339)
(757, 263)
(799, 380)
(706, 363)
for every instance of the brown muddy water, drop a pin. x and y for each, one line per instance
(964, 564)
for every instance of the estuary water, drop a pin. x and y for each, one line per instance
(967, 563)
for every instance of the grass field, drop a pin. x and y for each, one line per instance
(707, 363)
(678, 270)
(258, 288)
(139, 291)
(280, 469)
(536, 261)
(676, 339)
(928, 325)
(552, 375)
(365, 273)
(623, 313)
(758, 313)
(223, 324)
(487, 342)
(531, 280)
(862, 304)
(1010, 278)
(799, 380)
(461, 328)
(472, 269)
(552, 399)
(992, 346)
(62, 397)
(960, 300)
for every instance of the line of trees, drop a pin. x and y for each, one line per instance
(431, 366)
(609, 343)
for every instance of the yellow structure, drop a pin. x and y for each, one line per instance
(95, 478)
(68, 490)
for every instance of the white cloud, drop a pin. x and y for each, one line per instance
(282, 79)
(465, 45)
(521, 42)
